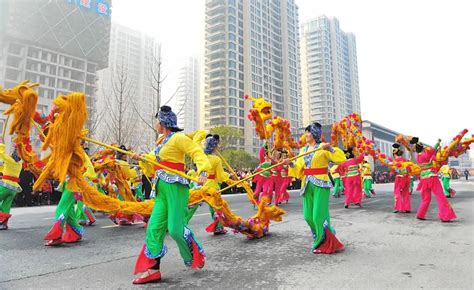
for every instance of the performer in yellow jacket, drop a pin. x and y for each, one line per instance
(316, 186)
(367, 179)
(172, 196)
(216, 176)
(338, 186)
(9, 186)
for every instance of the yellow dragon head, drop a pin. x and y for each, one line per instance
(261, 107)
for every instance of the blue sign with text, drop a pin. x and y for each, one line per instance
(99, 6)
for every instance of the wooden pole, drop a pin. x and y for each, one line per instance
(267, 169)
(141, 158)
(246, 186)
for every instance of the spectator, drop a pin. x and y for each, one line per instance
(26, 183)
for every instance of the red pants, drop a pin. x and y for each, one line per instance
(259, 181)
(432, 185)
(402, 193)
(284, 196)
(352, 190)
(268, 189)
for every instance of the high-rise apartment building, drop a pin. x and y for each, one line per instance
(252, 47)
(187, 96)
(58, 43)
(329, 74)
(131, 77)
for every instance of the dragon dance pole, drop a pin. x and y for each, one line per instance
(246, 186)
(5, 127)
(129, 153)
(269, 168)
(141, 158)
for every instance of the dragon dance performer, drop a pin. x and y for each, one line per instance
(352, 181)
(84, 215)
(9, 186)
(67, 228)
(429, 183)
(260, 179)
(367, 179)
(446, 179)
(401, 192)
(127, 173)
(136, 184)
(172, 197)
(284, 180)
(313, 170)
(216, 176)
(338, 186)
(266, 179)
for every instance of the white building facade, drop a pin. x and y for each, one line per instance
(187, 96)
(329, 73)
(133, 57)
(251, 48)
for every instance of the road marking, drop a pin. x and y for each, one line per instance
(111, 226)
(49, 218)
(114, 226)
(202, 214)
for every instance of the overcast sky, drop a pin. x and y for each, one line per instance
(416, 63)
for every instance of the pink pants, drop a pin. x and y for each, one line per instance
(402, 193)
(284, 196)
(278, 184)
(259, 181)
(432, 185)
(268, 188)
(353, 189)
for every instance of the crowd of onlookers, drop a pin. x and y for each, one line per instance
(49, 195)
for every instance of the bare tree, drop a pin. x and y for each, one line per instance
(156, 81)
(119, 107)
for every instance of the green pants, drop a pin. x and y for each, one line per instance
(446, 181)
(316, 211)
(66, 211)
(412, 183)
(338, 187)
(139, 193)
(169, 213)
(6, 199)
(81, 212)
(190, 213)
(368, 187)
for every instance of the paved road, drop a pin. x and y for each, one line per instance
(383, 250)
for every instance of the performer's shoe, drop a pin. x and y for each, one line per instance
(148, 278)
(3, 226)
(124, 223)
(53, 242)
(423, 219)
(220, 232)
(395, 211)
(346, 206)
(408, 211)
(358, 204)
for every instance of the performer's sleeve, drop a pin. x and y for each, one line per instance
(360, 158)
(189, 147)
(3, 156)
(2, 151)
(90, 172)
(147, 167)
(221, 175)
(297, 170)
(337, 156)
